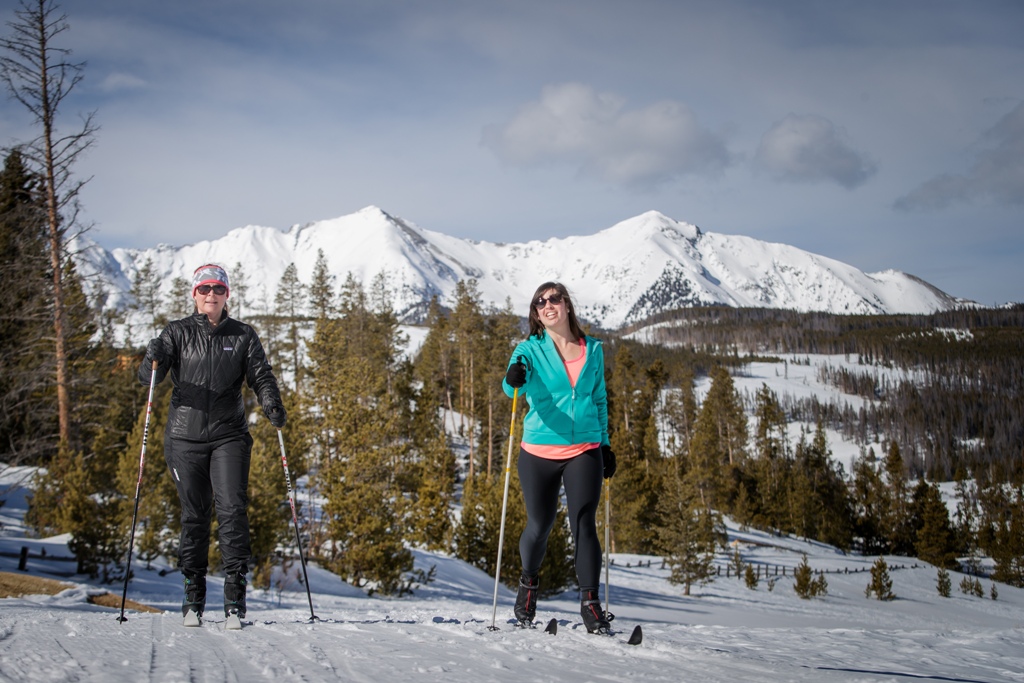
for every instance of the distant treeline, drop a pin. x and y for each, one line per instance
(961, 404)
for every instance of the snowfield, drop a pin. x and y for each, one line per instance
(723, 632)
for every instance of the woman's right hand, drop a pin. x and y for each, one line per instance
(515, 377)
(156, 352)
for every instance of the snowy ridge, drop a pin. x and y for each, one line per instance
(623, 274)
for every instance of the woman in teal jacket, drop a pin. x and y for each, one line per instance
(560, 370)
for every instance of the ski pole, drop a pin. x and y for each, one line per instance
(504, 503)
(607, 543)
(138, 488)
(295, 520)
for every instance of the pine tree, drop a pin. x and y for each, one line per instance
(287, 352)
(28, 419)
(39, 76)
(719, 442)
(467, 323)
(434, 369)
(966, 524)
(178, 302)
(432, 525)
(472, 537)
(501, 330)
(881, 583)
(1004, 517)
(803, 579)
(146, 299)
(772, 464)
(321, 289)
(820, 500)
(934, 536)
(943, 583)
(64, 501)
(361, 417)
(158, 524)
(632, 402)
(688, 533)
(750, 577)
(270, 521)
(867, 492)
(77, 493)
(896, 503)
(240, 303)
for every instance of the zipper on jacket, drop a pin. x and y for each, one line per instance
(572, 404)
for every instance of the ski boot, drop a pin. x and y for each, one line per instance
(194, 602)
(526, 600)
(234, 599)
(594, 618)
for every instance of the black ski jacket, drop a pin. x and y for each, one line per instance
(208, 365)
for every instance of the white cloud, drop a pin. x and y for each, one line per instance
(808, 148)
(573, 124)
(997, 173)
(116, 82)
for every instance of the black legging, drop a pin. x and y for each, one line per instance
(541, 480)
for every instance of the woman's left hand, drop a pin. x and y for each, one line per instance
(609, 461)
(276, 415)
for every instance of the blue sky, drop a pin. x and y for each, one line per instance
(883, 134)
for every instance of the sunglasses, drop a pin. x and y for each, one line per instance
(541, 302)
(219, 290)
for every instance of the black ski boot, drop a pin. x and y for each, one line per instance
(194, 602)
(526, 600)
(234, 595)
(594, 618)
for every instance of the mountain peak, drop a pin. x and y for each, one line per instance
(636, 268)
(651, 223)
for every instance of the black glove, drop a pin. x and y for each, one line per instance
(156, 352)
(276, 416)
(609, 461)
(516, 375)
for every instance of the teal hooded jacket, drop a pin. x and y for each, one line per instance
(560, 414)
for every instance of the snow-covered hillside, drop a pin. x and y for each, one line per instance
(723, 632)
(641, 266)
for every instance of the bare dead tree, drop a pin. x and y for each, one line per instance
(40, 76)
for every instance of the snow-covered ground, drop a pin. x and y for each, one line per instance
(722, 632)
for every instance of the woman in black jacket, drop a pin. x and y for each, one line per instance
(207, 443)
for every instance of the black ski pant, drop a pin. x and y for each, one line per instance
(212, 475)
(541, 480)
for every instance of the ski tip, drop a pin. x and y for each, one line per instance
(637, 636)
(552, 626)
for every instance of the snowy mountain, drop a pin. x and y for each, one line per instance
(620, 275)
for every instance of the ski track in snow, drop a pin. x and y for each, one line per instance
(450, 641)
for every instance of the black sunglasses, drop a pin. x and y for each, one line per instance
(219, 290)
(541, 302)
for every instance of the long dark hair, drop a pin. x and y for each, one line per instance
(537, 327)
